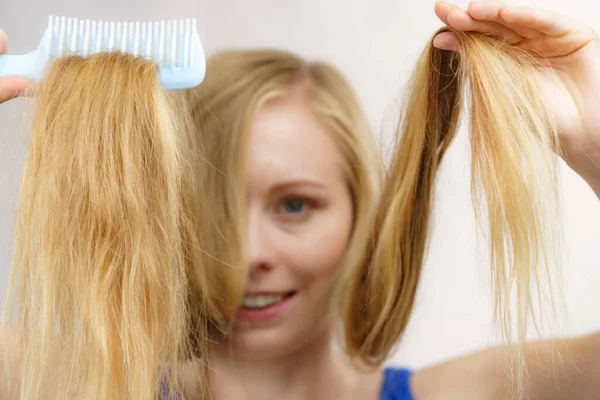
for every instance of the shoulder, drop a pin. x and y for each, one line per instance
(396, 384)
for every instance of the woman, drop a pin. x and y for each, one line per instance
(310, 177)
(312, 180)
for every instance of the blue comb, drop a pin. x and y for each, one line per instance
(174, 45)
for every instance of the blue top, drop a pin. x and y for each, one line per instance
(396, 385)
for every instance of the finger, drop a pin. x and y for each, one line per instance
(446, 41)
(551, 47)
(493, 11)
(461, 20)
(3, 42)
(12, 86)
(544, 21)
(527, 21)
(441, 9)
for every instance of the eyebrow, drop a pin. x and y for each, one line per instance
(289, 184)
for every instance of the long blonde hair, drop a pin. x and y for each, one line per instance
(139, 268)
(514, 144)
(136, 260)
(110, 292)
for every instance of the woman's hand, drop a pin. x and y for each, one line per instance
(572, 51)
(10, 86)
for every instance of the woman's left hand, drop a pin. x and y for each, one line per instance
(572, 50)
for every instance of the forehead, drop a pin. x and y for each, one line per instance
(287, 138)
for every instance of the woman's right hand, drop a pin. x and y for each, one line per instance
(10, 86)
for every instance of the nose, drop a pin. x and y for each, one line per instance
(261, 249)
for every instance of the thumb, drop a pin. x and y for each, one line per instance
(446, 41)
(12, 86)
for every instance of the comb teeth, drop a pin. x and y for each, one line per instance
(168, 43)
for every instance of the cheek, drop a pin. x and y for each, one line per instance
(318, 249)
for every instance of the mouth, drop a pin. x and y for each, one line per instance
(264, 300)
(264, 307)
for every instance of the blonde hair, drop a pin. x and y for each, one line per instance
(136, 263)
(514, 184)
(131, 225)
(110, 292)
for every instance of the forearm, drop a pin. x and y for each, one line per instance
(586, 163)
(592, 179)
(595, 185)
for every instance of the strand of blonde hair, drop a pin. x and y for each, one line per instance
(100, 261)
(514, 190)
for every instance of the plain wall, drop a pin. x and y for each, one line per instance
(375, 43)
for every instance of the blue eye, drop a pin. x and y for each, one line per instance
(293, 206)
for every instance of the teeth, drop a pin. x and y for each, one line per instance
(261, 301)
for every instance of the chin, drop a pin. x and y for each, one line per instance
(292, 329)
(265, 343)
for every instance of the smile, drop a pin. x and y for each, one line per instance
(258, 301)
(265, 306)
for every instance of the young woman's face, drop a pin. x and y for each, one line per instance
(300, 217)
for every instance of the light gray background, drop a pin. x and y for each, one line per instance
(375, 43)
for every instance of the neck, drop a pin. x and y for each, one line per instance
(316, 371)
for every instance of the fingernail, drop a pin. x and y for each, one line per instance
(439, 42)
(443, 44)
(476, 4)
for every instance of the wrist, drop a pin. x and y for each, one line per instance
(592, 180)
(595, 187)
(587, 167)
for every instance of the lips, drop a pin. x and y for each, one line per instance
(264, 307)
